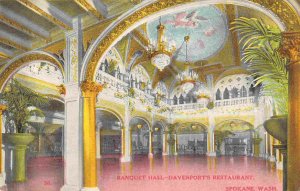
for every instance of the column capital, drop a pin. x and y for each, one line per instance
(91, 87)
(2, 108)
(61, 89)
(290, 46)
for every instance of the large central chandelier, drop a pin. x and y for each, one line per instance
(161, 52)
(188, 77)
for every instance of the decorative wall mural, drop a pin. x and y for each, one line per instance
(206, 26)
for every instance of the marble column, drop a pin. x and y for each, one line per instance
(210, 135)
(126, 145)
(98, 144)
(89, 92)
(72, 128)
(150, 154)
(165, 143)
(175, 144)
(290, 48)
(2, 163)
(126, 135)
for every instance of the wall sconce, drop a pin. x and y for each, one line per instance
(156, 128)
(139, 126)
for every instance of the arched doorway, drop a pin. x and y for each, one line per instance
(108, 126)
(234, 138)
(140, 130)
(157, 141)
(192, 139)
(38, 90)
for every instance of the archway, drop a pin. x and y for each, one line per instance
(121, 27)
(140, 130)
(108, 132)
(38, 78)
(234, 138)
(192, 139)
(157, 141)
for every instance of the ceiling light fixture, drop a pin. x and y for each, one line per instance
(188, 77)
(161, 52)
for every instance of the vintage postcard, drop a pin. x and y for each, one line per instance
(151, 95)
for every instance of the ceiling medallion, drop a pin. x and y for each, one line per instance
(188, 77)
(161, 51)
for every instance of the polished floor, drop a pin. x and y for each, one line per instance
(182, 173)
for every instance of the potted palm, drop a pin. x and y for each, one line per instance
(261, 52)
(22, 103)
(260, 44)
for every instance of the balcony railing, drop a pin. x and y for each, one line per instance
(236, 101)
(189, 106)
(117, 84)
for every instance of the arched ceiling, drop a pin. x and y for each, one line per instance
(219, 49)
(206, 26)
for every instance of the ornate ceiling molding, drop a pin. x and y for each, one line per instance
(13, 44)
(88, 7)
(39, 11)
(14, 65)
(282, 9)
(20, 27)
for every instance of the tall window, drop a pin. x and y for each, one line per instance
(234, 92)
(226, 94)
(243, 92)
(218, 95)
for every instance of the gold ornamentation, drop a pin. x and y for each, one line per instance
(13, 44)
(90, 86)
(88, 7)
(2, 109)
(284, 11)
(61, 89)
(24, 60)
(74, 59)
(2, 55)
(21, 27)
(290, 46)
(281, 8)
(39, 11)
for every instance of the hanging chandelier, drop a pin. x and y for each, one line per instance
(202, 92)
(188, 77)
(161, 52)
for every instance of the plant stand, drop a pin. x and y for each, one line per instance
(20, 141)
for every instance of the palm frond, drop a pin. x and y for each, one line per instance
(260, 52)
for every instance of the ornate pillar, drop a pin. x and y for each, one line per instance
(2, 173)
(89, 92)
(175, 144)
(256, 144)
(126, 135)
(98, 143)
(165, 143)
(210, 135)
(291, 49)
(72, 127)
(150, 154)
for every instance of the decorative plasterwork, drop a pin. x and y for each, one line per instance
(91, 87)
(282, 9)
(74, 58)
(22, 60)
(290, 47)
